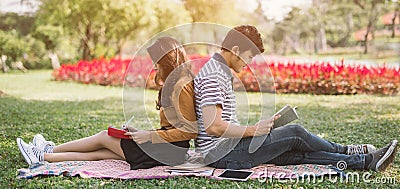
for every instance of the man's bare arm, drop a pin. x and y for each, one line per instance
(214, 125)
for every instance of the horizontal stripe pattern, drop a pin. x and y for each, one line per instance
(213, 86)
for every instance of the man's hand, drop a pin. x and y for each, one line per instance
(140, 136)
(263, 127)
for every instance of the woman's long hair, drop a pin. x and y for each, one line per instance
(168, 53)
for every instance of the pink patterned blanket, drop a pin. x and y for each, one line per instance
(121, 170)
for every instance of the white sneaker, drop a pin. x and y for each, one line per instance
(360, 149)
(41, 143)
(31, 153)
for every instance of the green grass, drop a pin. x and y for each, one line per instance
(67, 111)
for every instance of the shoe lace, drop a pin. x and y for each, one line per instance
(42, 144)
(40, 140)
(37, 153)
(355, 149)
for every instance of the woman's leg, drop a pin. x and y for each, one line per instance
(95, 142)
(82, 156)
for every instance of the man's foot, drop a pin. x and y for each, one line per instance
(41, 143)
(382, 158)
(360, 149)
(31, 153)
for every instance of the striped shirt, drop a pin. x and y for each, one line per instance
(213, 86)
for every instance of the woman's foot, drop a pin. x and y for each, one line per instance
(382, 158)
(40, 142)
(360, 149)
(31, 153)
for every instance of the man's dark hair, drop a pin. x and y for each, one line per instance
(246, 37)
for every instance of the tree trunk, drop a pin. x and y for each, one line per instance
(19, 66)
(374, 22)
(349, 30)
(396, 13)
(55, 63)
(370, 26)
(294, 42)
(365, 42)
(315, 45)
(322, 39)
(285, 45)
(4, 66)
(120, 45)
(372, 19)
(86, 49)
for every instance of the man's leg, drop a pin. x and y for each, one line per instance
(355, 162)
(296, 137)
(278, 142)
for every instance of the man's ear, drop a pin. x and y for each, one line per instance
(235, 50)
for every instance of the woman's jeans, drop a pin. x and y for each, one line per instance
(288, 145)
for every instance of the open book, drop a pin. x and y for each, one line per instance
(288, 114)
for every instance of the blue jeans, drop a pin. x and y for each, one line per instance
(288, 145)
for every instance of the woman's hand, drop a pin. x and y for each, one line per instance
(140, 136)
(129, 128)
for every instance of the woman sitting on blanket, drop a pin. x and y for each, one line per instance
(148, 148)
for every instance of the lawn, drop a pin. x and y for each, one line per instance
(64, 111)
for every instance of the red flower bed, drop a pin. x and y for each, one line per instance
(323, 78)
(104, 72)
(288, 76)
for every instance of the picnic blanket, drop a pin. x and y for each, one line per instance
(118, 169)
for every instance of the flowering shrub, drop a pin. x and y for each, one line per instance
(105, 72)
(288, 76)
(324, 78)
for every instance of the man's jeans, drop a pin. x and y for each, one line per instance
(288, 145)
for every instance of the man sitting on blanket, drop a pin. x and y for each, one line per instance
(225, 144)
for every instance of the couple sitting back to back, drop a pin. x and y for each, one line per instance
(209, 99)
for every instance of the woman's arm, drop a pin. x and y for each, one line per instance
(161, 136)
(171, 135)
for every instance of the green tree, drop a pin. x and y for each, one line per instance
(339, 19)
(50, 36)
(11, 46)
(221, 12)
(218, 11)
(35, 55)
(169, 14)
(102, 24)
(329, 22)
(123, 20)
(373, 8)
(293, 32)
(22, 24)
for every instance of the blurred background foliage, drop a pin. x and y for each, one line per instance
(72, 30)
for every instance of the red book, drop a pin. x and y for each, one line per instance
(118, 133)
